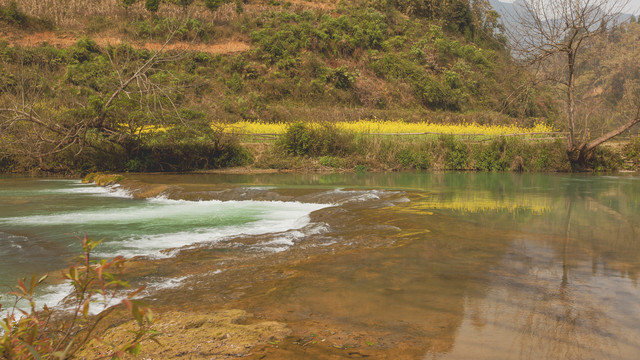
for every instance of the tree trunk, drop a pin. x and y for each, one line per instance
(571, 98)
(580, 155)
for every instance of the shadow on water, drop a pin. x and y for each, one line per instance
(417, 265)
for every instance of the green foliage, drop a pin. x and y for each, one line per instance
(494, 157)
(632, 150)
(213, 5)
(158, 28)
(605, 160)
(32, 334)
(343, 78)
(235, 83)
(303, 66)
(179, 149)
(152, 5)
(411, 158)
(456, 14)
(303, 139)
(127, 3)
(285, 34)
(330, 161)
(298, 140)
(183, 3)
(360, 168)
(456, 152)
(12, 14)
(84, 50)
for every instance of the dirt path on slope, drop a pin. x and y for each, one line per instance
(51, 38)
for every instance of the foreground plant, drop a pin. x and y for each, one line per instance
(50, 333)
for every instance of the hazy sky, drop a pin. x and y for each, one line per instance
(634, 5)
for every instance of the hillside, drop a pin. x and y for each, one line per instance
(245, 60)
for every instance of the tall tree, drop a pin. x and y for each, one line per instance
(557, 32)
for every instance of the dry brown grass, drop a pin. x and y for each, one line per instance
(74, 13)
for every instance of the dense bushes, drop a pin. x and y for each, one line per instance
(335, 149)
(632, 151)
(513, 154)
(316, 140)
(604, 159)
(179, 150)
(284, 34)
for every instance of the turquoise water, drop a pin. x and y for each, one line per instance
(42, 222)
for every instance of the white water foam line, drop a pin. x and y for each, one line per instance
(351, 196)
(50, 295)
(93, 189)
(286, 240)
(55, 295)
(162, 208)
(283, 221)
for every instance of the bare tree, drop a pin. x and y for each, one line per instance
(557, 31)
(34, 128)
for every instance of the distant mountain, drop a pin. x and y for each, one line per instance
(508, 12)
(503, 8)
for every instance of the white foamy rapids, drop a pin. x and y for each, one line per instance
(170, 210)
(92, 189)
(50, 295)
(54, 294)
(274, 217)
(350, 196)
(170, 283)
(155, 245)
(286, 240)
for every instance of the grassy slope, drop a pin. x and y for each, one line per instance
(311, 59)
(301, 60)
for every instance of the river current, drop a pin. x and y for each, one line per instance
(399, 265)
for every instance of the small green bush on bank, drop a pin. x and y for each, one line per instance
(632, 151)
(605, 160)
(305, 139)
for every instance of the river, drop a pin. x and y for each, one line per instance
(394, 265)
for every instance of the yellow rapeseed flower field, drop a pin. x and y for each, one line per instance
(394, 127)
(372, 127)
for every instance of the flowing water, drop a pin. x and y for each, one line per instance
(399, 265)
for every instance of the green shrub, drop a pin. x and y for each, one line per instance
(605, 160)
(343, 78)
(152, 5)
(12, 14)
(213, 5)
(182, 150)
(298, 140)
(632, 151)
(84, 50)
(330, 161)
(303, 139)
(413, 158)
(456, 152)
(360, 168)
(494, 157)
